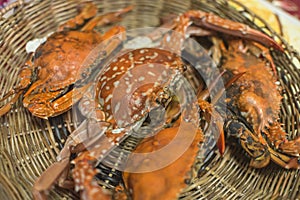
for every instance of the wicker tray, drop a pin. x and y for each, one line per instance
(28, 145)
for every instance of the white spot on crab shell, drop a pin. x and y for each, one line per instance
(92, 154)
(116, 75)
(102, 85)
(138, 62)
(115, 68)
(137, 101)
(77, 187)
(130, 56)
(116, 83)
(142, 78)
(108, 107)
(151, 73)
(117, 107)
(117, 131)
(244, 114)
(151, 65)
(144, 94)
(108, 98)
(168, 38)
(142, 51)
(106, 69)
(129, 74)
(134, 108)
(122, 59)
(55, 105)
(136, 116)
(155, 54)
(164, 73)
(156, 84)
(128, 90)
(107, 87)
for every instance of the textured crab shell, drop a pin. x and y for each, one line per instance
(129, 85)
(60, 58)
(166, 182)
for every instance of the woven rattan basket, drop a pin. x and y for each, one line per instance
(28, 145)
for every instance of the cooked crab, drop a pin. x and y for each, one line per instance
(47, 78)
(254, 104)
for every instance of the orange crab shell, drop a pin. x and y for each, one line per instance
(129, 83)
(167, 182)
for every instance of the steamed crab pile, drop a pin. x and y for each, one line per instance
(167, 100)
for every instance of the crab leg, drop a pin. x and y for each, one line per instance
(83, 175)
(278, 138)
(212, 22)
(106, 18)
(25, 80)
(88, 11)
(261, 154)
(284, 161)
(45, 181)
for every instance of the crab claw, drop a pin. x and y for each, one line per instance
(25, 80)
(51, 175)
(284, 161)
(221, 140)
(213, 22)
